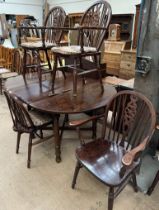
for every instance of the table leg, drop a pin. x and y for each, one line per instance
(57, 138)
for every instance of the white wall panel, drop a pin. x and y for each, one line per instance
(118, 6)
(28, 7)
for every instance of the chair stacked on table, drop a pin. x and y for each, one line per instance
(49, 37)
(92, 31)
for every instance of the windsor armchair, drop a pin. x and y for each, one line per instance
(92, 29)
(49, 37)
(114, 158)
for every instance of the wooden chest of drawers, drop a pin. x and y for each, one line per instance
(112, 55)
(127, 64)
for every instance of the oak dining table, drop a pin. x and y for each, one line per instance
(39, 96)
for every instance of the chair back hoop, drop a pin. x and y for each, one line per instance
(55, 18)
(19, 113)
(29, 32)
(98, 15)
(132, 119)
(29, 58)
(17, 61)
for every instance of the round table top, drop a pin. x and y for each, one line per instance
(89, 96)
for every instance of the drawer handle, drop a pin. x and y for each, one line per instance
(128, 65)
(129, 57)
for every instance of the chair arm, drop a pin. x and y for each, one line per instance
(129, 157)
(77, 123)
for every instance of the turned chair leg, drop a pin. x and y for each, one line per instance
(78, 166)
(18, 142)
(48, 59)
(60, 63)
(41, 134)
(94, 128)
(111, 198)
(134, 182)
(154, 183)
(54, 73)
(75, 78)
(97, 61)
(24, 64)
(29, 150)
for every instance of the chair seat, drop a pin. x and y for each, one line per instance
(39, 118)
(73, 49)
(105, 161)
(38, 44)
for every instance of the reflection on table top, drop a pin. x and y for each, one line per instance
(89, 96)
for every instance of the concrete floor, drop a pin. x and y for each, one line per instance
(47, 185)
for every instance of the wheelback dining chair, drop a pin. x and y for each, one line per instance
(49, 37)
(92, 30)
(115, 157)
(25, 121)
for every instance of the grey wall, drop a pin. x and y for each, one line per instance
(148, 46)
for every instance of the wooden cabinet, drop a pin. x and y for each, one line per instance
(112, 55)
(127, 64)
(126, 23)
(72, 19)
(135, 35)
(19, 18)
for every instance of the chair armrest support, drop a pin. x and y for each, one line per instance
(77, 123)
(130, 156)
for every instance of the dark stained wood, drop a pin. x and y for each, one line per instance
(130, 156)
(55, 18)
(128, 125)
(91, 32)
(48, 39)
(38, 96)
(23, 123)
(89, 97)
